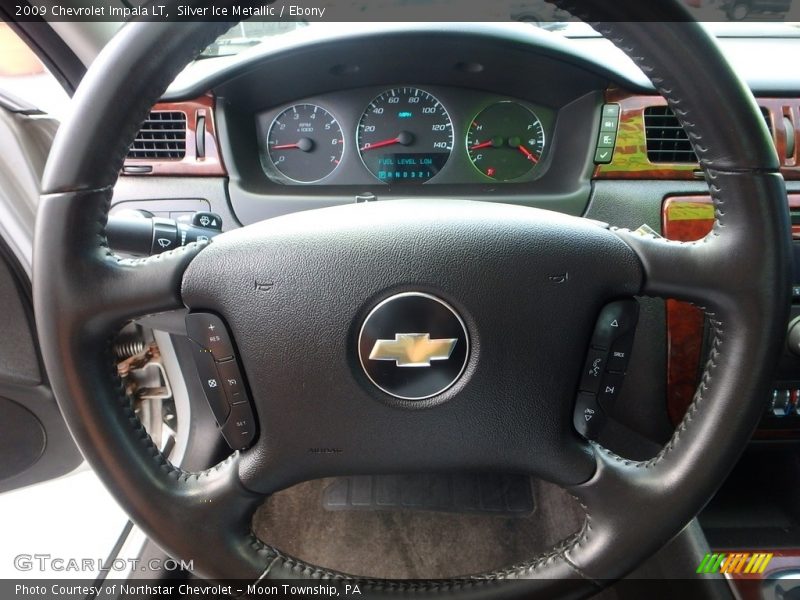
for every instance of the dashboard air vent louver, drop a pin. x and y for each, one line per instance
(667, 142)
(162, 137)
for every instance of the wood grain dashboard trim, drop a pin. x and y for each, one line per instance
(686, 219)
(630, 153)
(191, 164)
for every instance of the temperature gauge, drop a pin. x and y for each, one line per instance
(505, 141)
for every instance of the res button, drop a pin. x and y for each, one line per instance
(209, 332)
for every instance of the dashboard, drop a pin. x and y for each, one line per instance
(405, 135)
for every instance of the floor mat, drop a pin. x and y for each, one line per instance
(412, 544)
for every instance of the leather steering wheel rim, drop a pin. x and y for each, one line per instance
(738, 274)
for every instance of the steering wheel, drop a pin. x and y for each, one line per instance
(511, 409)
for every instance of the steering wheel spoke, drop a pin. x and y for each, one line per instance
(677, 270)
(107, 289)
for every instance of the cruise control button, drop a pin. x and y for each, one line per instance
(240, 429)
(211, 383)
(593, 370)
(209, 331)
(589, 418)
(232, 381)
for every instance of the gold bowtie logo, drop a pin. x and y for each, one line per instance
(413, 349)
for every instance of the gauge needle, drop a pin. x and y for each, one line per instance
(405, 138)
(495, 142)
(528, 154)
(487, 144)
(305, 144)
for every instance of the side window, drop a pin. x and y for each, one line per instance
(23, 75)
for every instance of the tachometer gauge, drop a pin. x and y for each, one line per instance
(505, 141)
(405, 136)
(305, 143)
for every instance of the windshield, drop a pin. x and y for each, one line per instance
(722, 17)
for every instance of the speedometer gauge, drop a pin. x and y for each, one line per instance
(505, 141)
(405, 136)
(305, 143)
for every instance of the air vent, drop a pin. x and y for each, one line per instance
(162, 137)
(667, 142)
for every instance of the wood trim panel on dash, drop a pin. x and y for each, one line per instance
(630, 153)
(209, 165)
(686, 219)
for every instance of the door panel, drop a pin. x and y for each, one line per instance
(34, 442)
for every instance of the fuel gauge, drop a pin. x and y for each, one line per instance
(505, 141)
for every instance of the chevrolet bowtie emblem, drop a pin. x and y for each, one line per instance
(413, 349)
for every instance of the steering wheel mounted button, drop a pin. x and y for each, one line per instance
(620, 353)
(240, 428)
(615, 321)
(210, 332)
(589, 418)
(232, 381)
(593, 370)
(610, 390)
(211, 383)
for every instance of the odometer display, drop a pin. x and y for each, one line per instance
(405, 136)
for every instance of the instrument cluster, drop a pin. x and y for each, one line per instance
(405, 135)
